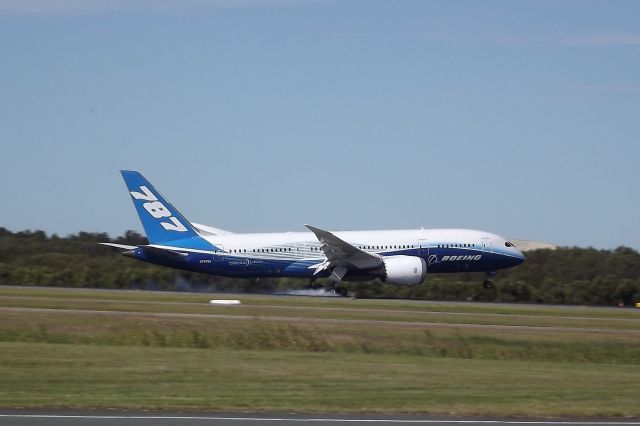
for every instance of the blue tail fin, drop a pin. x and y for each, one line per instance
(162, 222)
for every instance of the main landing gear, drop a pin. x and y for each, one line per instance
(340, 291)
(332, 288)
(487, 283)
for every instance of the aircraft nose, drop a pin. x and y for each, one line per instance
(520, 257)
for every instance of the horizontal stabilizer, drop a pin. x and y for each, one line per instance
(160, 252)
(119, 246)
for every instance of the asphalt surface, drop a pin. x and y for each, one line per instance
(339, 309)
(536, 306)
(112, 418)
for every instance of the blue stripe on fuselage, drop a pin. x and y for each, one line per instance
(439, 260)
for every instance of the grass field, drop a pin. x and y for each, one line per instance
(152, 350)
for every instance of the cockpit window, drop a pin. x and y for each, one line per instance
(509, 244)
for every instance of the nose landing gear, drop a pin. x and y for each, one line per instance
(487, 283)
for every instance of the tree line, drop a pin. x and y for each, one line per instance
(562, 276)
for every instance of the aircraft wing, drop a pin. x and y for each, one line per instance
(342, 256)
(528, 245)
(210, 230)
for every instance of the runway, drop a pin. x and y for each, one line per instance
(110, 418)
(394, 324)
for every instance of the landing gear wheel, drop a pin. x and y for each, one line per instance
(487, 284)
(342, 291)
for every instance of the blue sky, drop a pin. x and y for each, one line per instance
(520, 118)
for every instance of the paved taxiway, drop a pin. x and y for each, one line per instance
(111, 418)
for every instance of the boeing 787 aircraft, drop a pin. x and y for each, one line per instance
(401, 257)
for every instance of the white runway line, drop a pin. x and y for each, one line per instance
(322, 420)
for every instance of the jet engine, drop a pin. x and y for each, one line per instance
(404, 270)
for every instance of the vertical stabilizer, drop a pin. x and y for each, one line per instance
(162, 222)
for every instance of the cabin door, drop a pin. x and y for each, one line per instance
(424, 249)
(218, 253)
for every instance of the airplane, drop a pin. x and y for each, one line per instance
(399, 257)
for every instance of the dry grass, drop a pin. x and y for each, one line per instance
(307, 354)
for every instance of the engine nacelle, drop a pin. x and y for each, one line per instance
(404, 270)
